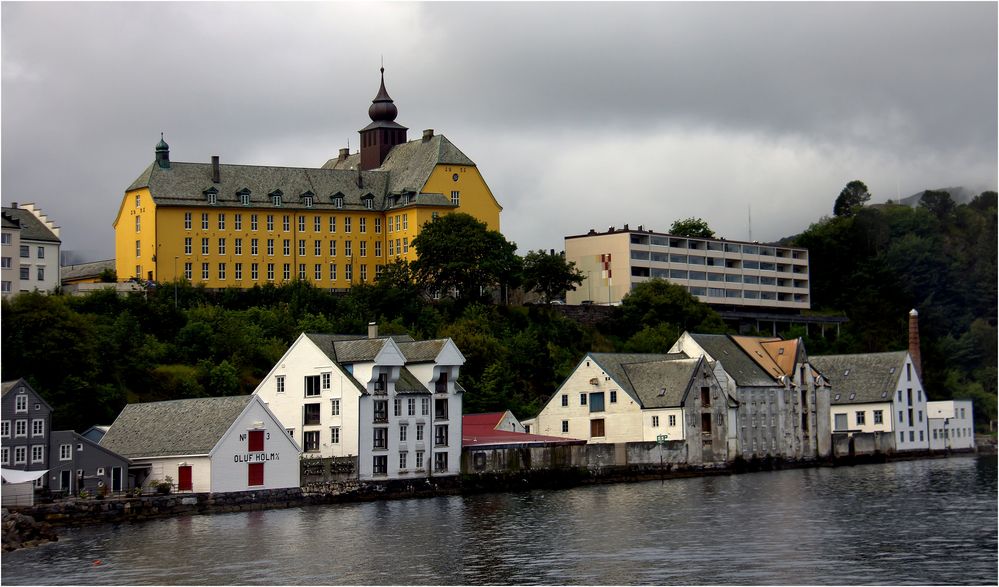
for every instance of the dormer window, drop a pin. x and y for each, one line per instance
(276, 197)
(307, 200)
(369, 201)
(410, 197)
(211, 194)
(244, 196)
(338, 200)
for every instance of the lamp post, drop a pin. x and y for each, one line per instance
(175, 282)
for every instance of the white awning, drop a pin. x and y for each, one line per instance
(14, 476)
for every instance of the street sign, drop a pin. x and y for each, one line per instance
(661, 439)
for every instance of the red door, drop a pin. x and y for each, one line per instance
(255, 474)
(184, 482)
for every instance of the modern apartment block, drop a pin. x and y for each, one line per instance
(723, 273)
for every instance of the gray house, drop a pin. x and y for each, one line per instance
(25, 422)
(29, 444)
(78, 463)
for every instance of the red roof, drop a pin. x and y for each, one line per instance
(480, 430)
(492, 419)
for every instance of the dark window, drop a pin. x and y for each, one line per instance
(381, 410)
(440, 435)
(256, 441)
(440, 409)
(381, 384)
(613, 397)
(705, 397)
(311, 441)
(380, 439)
(565, 400)
(255, 474)
(311, 415)
(441, 385)
(597, 402)
(705, 423)
(380, 465)
(597, 428)
(311, 385)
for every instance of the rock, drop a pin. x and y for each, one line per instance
(20, 531)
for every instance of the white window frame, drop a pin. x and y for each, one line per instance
(279, 383)
(20, 428)
(5, 429)
(21, 404)
(65, 452)
(20, 455)
(37, 427)
(37, 453)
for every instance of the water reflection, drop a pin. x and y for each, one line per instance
(911, 522)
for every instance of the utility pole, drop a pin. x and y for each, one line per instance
(175, 278)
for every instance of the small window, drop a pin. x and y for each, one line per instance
(613, 396)
(279, 381)
(565, 426)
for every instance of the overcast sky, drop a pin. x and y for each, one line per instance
(579, 115)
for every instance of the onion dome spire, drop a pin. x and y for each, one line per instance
(162, 153)
(382, 107)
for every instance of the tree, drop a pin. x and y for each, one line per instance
(458, 253)
(658, 301)
(549, 274)
(692, 227)
(938, 202)
(851, 199)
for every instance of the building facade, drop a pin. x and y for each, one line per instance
(71, 462)
(77, 463)
(719, 272)
(206, 445)
(29, 251)
(24, 429)
(877, 393)
(783, 402)
(951, 424)
(394, 405)
(621, 398)
(240, 225)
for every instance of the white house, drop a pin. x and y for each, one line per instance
(207, 445)
(877, 392)
(29, 252)
(620, 398)
(394, 405)
(951, 424)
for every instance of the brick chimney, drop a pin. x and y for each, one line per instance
(344, 153)
(917, 361)
(372, 330)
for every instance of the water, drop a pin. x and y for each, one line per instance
(914, 522)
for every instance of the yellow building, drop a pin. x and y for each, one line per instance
(241, 225)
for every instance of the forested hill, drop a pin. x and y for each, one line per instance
(875, 263)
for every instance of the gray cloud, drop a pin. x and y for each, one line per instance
(579, 115)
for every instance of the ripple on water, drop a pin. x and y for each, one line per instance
(912, 522)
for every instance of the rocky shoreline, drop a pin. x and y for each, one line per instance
(21, 531)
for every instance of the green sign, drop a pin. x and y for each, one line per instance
(661, 439)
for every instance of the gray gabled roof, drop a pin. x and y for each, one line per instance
(869, 377)
(422, 351)
(613, 364)
(409, 384)
(410, 164)
(184, 184)
(662, 384)
(32, 228)
(178, 427)
(742, 368)
(7, 386)
(85, 270)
